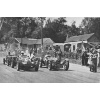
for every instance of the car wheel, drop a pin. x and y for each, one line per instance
(4, 61)
(66, 66)
(8, 63)
(50, 66)
(12, 64)
(90, 68)
(36, 68)
(40, 64)
(18, 67)
(47, 63)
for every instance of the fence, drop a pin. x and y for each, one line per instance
(73, 57)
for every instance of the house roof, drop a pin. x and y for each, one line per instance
(84, 37)
(45, 41)
(26, 40)
(30, 41)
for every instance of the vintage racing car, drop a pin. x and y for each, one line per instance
(10, 60)
(54, 64)
(25, 63)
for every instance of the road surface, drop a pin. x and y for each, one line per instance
(75, 74)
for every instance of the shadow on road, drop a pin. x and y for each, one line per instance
(1, 64)
(62, 70)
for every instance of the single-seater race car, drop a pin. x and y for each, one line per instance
(55, 64)
(10, 60)
(25, 63)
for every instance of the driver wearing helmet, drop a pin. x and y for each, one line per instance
(22, 53)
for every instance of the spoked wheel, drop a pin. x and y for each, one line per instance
(66, 66)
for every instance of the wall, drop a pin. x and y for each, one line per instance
(75, 43)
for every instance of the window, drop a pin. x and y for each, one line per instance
(73, 47)
(67, 47)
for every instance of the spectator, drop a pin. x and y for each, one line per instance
(83, 58)
(86, 58)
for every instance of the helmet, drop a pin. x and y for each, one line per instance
(22, 52)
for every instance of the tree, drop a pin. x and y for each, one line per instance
(17, 27)
(53, 29)
(91, 25)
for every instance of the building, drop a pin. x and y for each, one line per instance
(28, 43)
(86, 40)
(46, 42)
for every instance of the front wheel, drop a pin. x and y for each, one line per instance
(36, 68)
(50, 66)
(18, 67)
(40, 64)
(8, 63)
(90, 68)
(66, 66)
(12, 64)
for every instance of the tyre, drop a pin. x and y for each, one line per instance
(95, 69)
(4, 61)
(36, 68)
(12, 64)
(8, 63)
(66, 66)
(47, 63)
(18, 66)
(40, 64)
(50, 66)
(90, 69)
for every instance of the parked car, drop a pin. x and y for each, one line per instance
(25, 63)
(54, 64)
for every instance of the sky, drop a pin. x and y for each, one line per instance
(71, 19)
(77, 19)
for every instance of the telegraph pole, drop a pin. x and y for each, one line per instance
(41, 36)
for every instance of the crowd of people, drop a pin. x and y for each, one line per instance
(91, 57)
